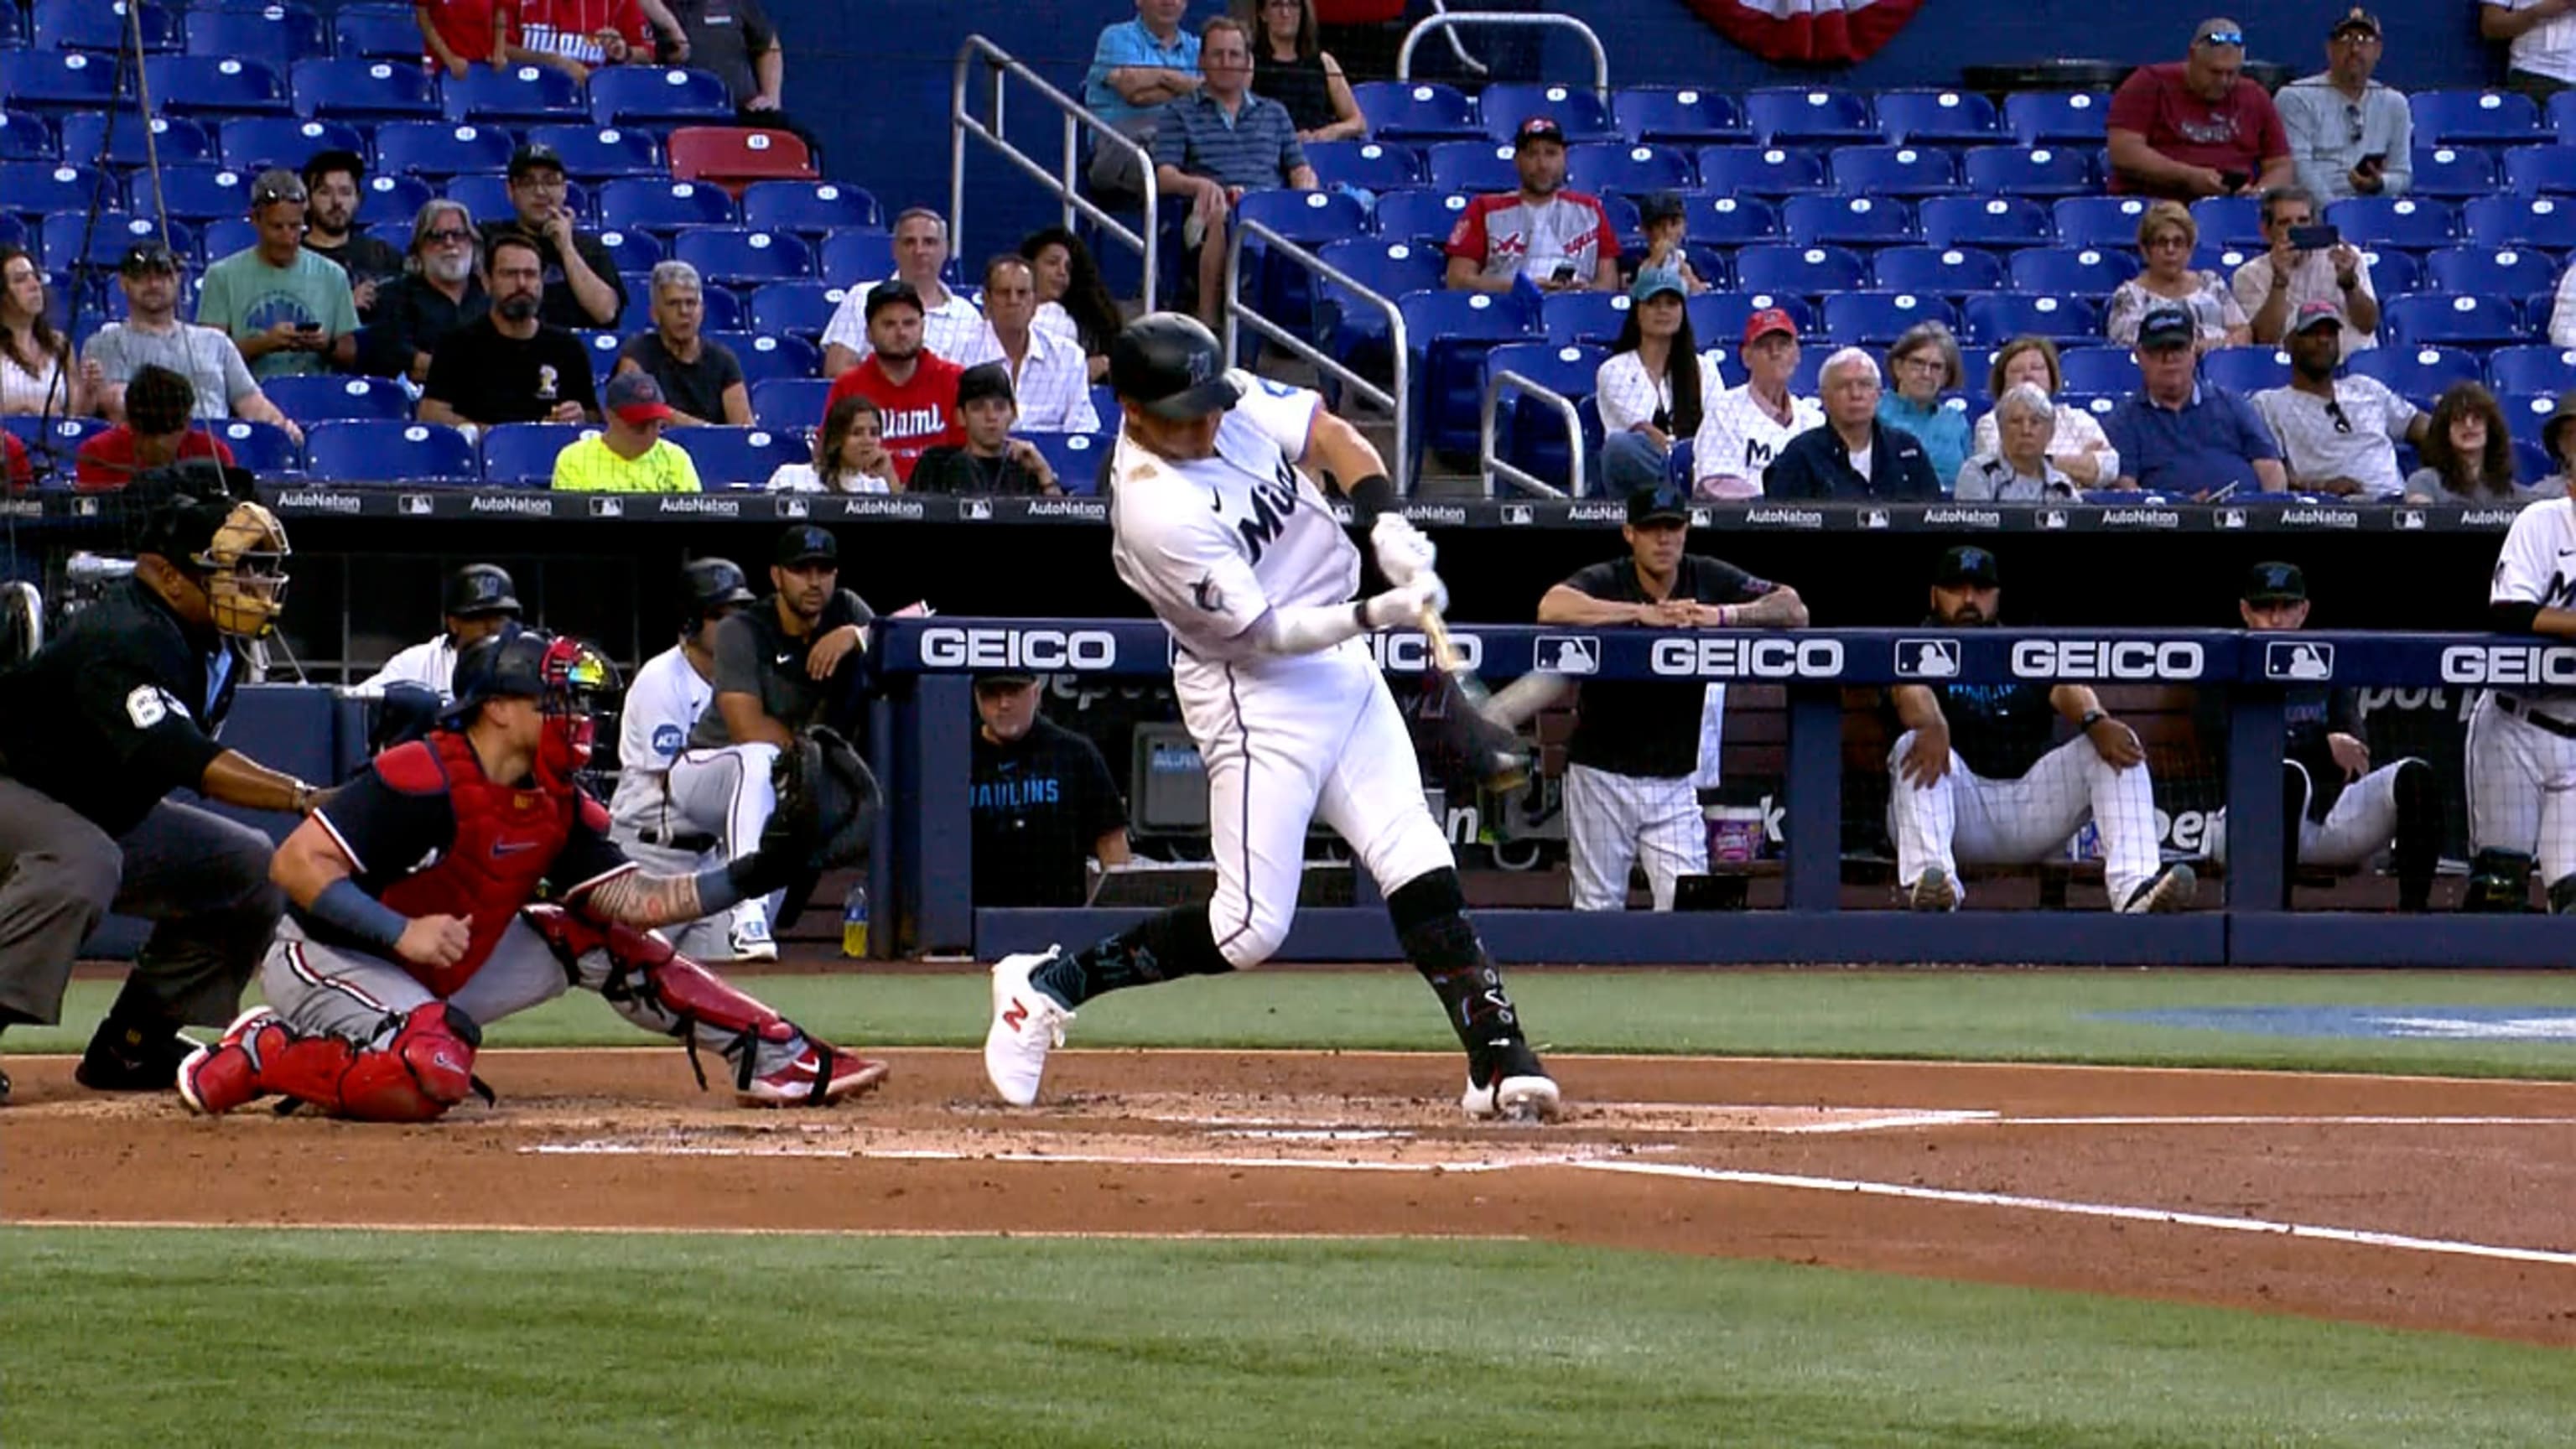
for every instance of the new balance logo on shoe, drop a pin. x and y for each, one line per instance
(1017, 1016)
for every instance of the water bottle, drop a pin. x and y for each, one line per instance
(854, 923)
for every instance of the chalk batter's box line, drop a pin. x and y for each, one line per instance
(1185, 1235)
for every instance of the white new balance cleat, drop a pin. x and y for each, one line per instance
(748, 939)
(1516, 1089)
(1027, 1024)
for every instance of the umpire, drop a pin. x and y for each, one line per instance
(110, 717)
(1628, 778)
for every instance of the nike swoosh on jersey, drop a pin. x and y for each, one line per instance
(785, 659)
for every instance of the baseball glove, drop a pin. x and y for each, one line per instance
(827, 803)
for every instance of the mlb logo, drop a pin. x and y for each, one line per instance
(1700, 518)
(1873, 518)
(2298, 660)
(976, 510)
(792, 507)
(85, 508)
(1927, 658)
(1568, 654)
(2053, 518)
(1519, 513)
(2410, 521)
(608, 508)
(2231, 518)
(415, 505)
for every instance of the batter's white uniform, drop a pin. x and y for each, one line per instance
(662, 705)
(1212, 544)
(431, 665)
(2522, 742)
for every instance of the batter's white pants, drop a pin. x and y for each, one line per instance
(727, 793)
(1613, 821)
(1964, 816)
(1288, 741)
(2361, 823)
(2522, 786)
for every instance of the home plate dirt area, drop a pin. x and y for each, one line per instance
(2404, 1201)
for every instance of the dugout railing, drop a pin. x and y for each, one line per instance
(1395, 399)
(1065, 180)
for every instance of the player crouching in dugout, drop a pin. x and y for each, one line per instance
(1977, 779)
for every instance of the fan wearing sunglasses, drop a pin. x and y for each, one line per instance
(2349, 134)
(2338, 435)
(2197, 127)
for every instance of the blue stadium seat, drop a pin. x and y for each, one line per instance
(209, 85)
(1076, 458)
(254, 143)
(13, 233)
(1995, 319)
(2110, 371)
(386, 200)
(2548, 170)
(53, 440)
(794, 309)
(24, 136)
(1730, 221)
(1874, 319)
(1388, 267)
(1992, 221)
(360, 32)
(2039, 171)
(2392, 272)
(522, 455)
(2246, 369)
(1417, 111)
(2446, 116)
(1419, 216)
(1450, 332)
(519, 94)
(2453, 173)
(1850, 220)
(740, 255)
(203, 191)
(44, 80)
(221, 239)
(2520, 221)
(1368, 165)
(1894, 171)
(599, 153)
(1950, 271)
(2394, 221)
(2528, 415)
(2530, 462)
(1771, 171)
(740, 457)
(856, 258)
(115, 232)
(384, 451)
(2107, 222)
(99, 25)
(320, 399)
(2531, 369)
(176, 139)
(350, 89)
(1811, 271)
(2465, 321)
(278, 32)
(36, 188)
(2057, 118)
(1784, 114)
(1684, 117)
(1577, 111)
(1592, 319)
(1276, 287)
(1530, 434)
(2230, 221)
(603, 348)
(1472, 166)
(2223, 260)
(809, 208)
(442, 148)
(260, 447)
(630, 95)
(721, 310)
(2082, 271)
(1633, 170)
(2503, 273)
(764, 357)
(1956, 117)
(793, 402)
(637, 205)
(2420, 373)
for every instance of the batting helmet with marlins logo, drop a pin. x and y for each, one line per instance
(210, 524)
(1171, 366)
(708, 587)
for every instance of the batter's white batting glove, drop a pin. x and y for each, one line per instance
(1402, 550)
(1401, 607)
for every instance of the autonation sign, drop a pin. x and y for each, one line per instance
(952, 647)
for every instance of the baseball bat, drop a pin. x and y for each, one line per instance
(1502, 764)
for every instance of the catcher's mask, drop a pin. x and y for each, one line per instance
(567, 678)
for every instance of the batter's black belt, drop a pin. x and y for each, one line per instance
(695, 843)
(2535, 718)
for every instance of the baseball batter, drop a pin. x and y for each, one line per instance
(411, 928)
(662, 705)
(481, 601)
(1232, 544)
(2522, 742)
(1977, 780)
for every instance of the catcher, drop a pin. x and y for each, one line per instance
(411, 924)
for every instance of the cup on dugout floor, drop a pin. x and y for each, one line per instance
(1734, 834)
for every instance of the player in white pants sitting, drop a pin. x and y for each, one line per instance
(2522, 742)
(1976, 778)
(662, 705)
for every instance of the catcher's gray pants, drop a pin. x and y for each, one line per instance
(1613, 820)
(702, 940)
(727, 792)
(1964, 816)
(202, 880)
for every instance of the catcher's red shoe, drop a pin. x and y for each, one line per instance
(216, 1079)
(819, 1076)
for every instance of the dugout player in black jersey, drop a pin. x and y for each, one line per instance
(1629, 770)
(1043, 801)
(112, 715)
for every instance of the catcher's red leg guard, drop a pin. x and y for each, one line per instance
(427, 1068)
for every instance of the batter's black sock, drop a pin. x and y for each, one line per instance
(1173, 944)
(1430, 915)
(2419, 824)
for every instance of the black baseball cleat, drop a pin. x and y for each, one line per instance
(1510, 1085)
(2169, 889)
(124, 1058)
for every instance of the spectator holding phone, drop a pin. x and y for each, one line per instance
(2308, 264)
(288, 310)
(1562, 240)
(2197, 127)
(2349, 135)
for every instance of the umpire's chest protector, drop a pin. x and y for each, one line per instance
(506, 840)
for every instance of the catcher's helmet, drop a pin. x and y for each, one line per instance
(709, 585)
(1171, 366)
(481, 589)
(208, 521)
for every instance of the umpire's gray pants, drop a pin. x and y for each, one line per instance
(200, 879)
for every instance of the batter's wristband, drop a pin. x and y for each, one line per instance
(1373, 495)
(346, 906)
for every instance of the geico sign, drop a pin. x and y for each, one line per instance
(1405, 652)
(2104, 659)
(2509, 664)
(1739, 658)
(953, 648)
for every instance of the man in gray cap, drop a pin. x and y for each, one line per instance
(288, 310)
(2182, 435)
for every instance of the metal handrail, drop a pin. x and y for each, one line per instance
(1492, 465)
(1238, 315)
(1001, 65)
(1447, 21)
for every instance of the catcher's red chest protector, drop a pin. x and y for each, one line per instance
(506, 840)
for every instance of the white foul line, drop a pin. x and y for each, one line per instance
(2400, 1241)
(2270, 1121)
(1088, 1159)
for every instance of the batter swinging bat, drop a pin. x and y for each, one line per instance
(1467, 717)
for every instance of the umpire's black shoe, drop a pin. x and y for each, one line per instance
(124, 1057)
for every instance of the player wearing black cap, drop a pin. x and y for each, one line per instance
(662, 705)
(780, 665)
(479, 601)
(116, 712)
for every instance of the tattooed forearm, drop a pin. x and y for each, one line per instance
(645, 901)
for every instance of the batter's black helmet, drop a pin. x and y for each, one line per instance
(710, 584)
(1172, 366)
(481, 589)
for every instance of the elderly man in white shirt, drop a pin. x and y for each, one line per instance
(2540, 59)
(1745, 427)
(949, 323)
(1049, 374)
(2338, 435)
(481, 600)
(2349, 134)
(2018, 468)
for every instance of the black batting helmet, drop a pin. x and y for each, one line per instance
(1172, 366)
(708, 585)
(481, 589)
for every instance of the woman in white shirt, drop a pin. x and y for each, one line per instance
(32, 353)
(2078, 447)
(2166, 236)
(2020, 469)
(1648, 391)
(849, 455)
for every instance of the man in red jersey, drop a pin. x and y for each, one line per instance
(916, 390)
(1561, 240)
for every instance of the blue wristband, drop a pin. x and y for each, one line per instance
(343, 904)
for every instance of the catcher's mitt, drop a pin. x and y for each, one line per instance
(827, 803)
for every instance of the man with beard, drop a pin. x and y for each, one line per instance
(779, 666)
(1978, 780)
(153, 336)
(914, 389)
(331, 182)
(1050, 377)
(583, 289)
(440, 291)
(510, 367)
(2338, 435)
(1561, 240)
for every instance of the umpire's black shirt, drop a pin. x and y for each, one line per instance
(1650, 727)
(755, 655)
(119, 709)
